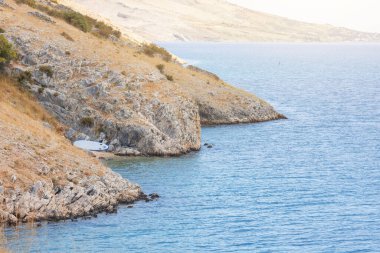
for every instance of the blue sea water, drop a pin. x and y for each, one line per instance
(307, 184)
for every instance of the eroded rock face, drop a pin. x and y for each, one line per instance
(124, 101)
(42, 175)
(46, 200)
(100, 104)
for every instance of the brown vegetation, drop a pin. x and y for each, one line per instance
(67, 36)
(33, 140)
(152, 49)
(24, 103)
(160, 67)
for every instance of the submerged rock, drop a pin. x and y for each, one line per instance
(154, 196)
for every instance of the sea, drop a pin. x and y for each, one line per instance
(310, 183)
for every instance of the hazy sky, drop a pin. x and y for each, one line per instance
(361, 15)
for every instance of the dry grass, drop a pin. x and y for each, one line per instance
(29, 146)
(23, 102)
(152, 49)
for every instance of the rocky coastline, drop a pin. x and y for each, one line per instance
(91, 196)
(107, 90)
(117, 92)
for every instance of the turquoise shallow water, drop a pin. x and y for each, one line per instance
(307, 184)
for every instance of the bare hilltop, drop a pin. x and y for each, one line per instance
(211, 20)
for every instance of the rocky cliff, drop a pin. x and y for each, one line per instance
(42, 176)
(131, 96)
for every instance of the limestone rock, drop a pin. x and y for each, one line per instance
(89, 196)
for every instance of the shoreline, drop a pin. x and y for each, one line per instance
(73, 85)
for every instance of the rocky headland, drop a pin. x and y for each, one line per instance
(93, 83)
(44, 177)
(116, 91)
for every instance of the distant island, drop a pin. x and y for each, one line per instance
(211, 20)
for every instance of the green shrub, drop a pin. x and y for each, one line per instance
(161, 68)
(47, 70)
(104, 30)
(87, 122)
(82, 22)
(152, 50)
(7, 53)
(2, 30)
(31, 3)
(78, 20)
(24, 77)
(170, 78)
(41, 90)
(116, 33)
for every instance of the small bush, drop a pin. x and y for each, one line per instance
(78, 20)
(41, 90)
(47, 70)
(87, 122)
(161, 68)
(199, 70)
(151, 50)
(170, 78)
(104, 30)
(24, 77)
(124, 73)
(2, 30)
(82, 22)
(31, 3)
(7, 53)
(67, 36)
(117, 34)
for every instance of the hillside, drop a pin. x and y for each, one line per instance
(66, 77)
(134, 97)
(210, 20)
(42, 176)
